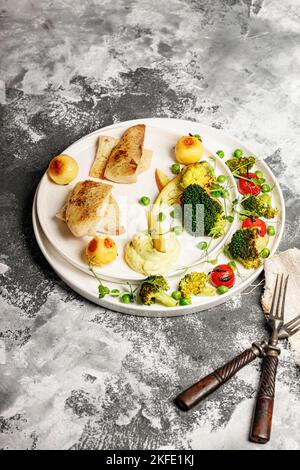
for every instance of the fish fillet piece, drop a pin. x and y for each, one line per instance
(87, 204)
(104, 148)
(124, 160)
(145, 163)
(110, 222)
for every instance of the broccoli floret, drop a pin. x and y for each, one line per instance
(194, 284)
(246, 245)
(153, 288)
(218, 228)
(158, 281)
(200, 173)
(193, 196)
(240, 165)
(260, 206)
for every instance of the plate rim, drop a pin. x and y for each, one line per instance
(163, 312)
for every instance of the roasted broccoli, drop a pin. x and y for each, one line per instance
(240, 165)
(193, 197)
(153, 288)
(195, 284)
(200, 173)
(259, 206)
(246, 246)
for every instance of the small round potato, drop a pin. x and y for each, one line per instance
(63, 169)
(188, 150)
(101, 251)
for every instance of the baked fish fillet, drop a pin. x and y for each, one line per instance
(125, 158)
(86, 206)
(104, 148)
(109, 220)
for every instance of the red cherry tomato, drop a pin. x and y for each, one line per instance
(256, 222)
(247, 187)
(222, 275)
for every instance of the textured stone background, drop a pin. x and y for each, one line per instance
(73, 375)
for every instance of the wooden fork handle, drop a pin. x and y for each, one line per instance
(200, 390)
(262, 418)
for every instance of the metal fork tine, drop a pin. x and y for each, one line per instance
(291, 322)
(294, 330)
(275, 297)
(283, 296)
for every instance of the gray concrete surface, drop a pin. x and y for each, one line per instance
(76, 376)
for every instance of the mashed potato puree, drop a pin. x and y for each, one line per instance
(142, 257)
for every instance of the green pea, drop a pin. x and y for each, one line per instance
(203, 245)
(161, 217)
(266, 188)
(238, 153)
(221, 179)
(115, 293)
(225, 193)
(215, 186)
(230, 218)
(271, 230)
(259, 174)
(126, 298)
(102, 290)
(177, 230)
(176, 294)
(216, 193)
(222, 290)
(260, 180)
(183, 301)
(175, 168)
(220, 153)
(145, 201)
(265, 253)
(175, 214)
(232, 264)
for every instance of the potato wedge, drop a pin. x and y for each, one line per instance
(161, 179)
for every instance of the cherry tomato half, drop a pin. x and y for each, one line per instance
(247, 187)
(222, 275)
(256, 222)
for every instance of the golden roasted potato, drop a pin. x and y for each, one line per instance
(101, 250)
(63, 169)
(188, 150)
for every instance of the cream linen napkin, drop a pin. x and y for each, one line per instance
(287, 262)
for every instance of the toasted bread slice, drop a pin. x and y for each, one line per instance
(124, 161)
(104, 148)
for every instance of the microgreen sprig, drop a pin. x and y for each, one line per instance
(197, 136)
(102, 290)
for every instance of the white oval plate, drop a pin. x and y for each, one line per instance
(51, 198)
(86, 286)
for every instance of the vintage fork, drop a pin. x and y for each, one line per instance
(262, 418)
(200, 390)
